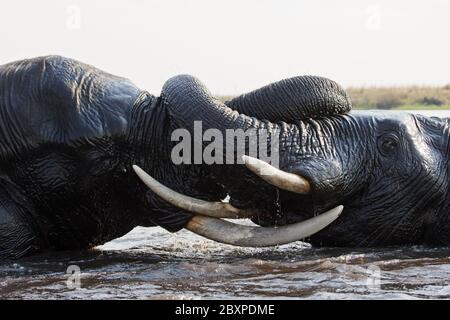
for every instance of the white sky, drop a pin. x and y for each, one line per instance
(236, 45)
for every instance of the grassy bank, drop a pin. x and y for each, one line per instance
(397, 98)
(405, 98)
(422, 107)
(406, 107)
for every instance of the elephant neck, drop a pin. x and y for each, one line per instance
(148, 133)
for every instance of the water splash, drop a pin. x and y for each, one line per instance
(150, 263)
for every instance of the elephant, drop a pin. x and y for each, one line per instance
(86, 156)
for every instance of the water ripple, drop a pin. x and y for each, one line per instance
(150, 263)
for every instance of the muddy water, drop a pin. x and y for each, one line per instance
(150, 263)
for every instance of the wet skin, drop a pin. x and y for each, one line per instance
(70, 134)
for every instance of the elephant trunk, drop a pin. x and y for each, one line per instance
(294, 99)
(188, 100)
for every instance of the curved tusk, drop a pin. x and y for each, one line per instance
(206, 208)
(281, 179)
(245, 236)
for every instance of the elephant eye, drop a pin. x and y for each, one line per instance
(387, 144)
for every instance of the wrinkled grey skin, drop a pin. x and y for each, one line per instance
(70, 134)
(389, 170)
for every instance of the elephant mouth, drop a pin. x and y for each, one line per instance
(208, 216)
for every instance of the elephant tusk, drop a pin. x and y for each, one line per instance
(209, 225)
(281, 179)
(245, 236)
(205, 208)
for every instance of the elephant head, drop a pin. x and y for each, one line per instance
(387, 170)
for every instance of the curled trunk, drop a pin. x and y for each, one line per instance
(188, 100)
(294, 99)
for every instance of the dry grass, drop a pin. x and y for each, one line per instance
(411, 97)
(400, 97)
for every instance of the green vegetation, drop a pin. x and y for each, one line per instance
(423, 107)
(397, 98)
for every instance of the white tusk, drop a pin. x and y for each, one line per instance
(206, 208)
(281, 179)
(245, 236)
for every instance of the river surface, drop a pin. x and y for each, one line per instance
(151, 263)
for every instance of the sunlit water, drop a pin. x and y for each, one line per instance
(150, 263)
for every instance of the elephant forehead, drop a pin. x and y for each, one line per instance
(418, 136)
(389, 120)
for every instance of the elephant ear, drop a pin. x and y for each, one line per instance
(294, 99)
